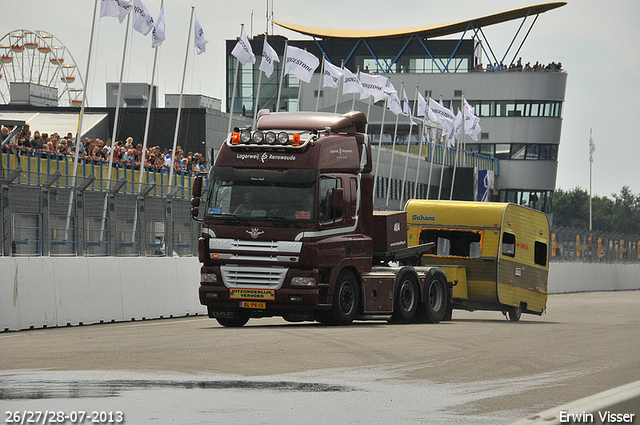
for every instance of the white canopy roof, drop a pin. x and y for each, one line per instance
(54, 122)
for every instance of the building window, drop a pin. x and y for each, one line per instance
(536, 199)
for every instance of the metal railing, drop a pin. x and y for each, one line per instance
(46, 215)
(584, 246)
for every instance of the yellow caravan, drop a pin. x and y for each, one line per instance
(496, 252)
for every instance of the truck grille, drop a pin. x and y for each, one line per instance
(253, 277)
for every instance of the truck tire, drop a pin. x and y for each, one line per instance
(236, 322)
(346, 299)
(434, 307)
(406, 300)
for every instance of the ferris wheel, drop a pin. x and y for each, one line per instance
(39, 57)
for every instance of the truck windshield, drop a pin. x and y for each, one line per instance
(277, 201)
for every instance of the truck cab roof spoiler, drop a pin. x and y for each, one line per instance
(351, 122)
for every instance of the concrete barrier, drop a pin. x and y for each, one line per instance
(39, 292)
(585, 277)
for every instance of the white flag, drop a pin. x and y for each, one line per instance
(592, 148)
(300, 63)
(332, 74)
(406, 108)
(422, 106)
(439, 114)
(475, 129)
(454, 129)
(157, 35)
(243, 51)
(269, 56)
(351, 82)
(471, 122)
(142, 20)
(373, 85)
(199, 37)
(393, 101)
(115, 8)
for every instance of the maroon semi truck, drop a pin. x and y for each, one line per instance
(289, 230)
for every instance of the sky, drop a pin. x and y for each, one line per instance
(594, 40)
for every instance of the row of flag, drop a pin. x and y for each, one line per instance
(302, 64)
(144, 23)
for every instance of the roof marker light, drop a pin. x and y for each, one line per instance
(296, 140)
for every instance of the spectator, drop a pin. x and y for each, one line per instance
(36, 142)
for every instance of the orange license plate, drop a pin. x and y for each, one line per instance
(253, 304)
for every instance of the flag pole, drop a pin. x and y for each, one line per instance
(148, 119)
(341, 83)
(255, 104)
(393, 149)
(80, 118)
(384, 110)
(444, 153)
(353, 104)
(184, 72)
(320, 80)
(415, 189)
(145, 137)
(115, 128)
(590, 180)
(286, 43)
(459, 142)
(235, 84)
(406, 159)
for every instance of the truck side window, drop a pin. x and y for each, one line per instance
(509, 244)
(540, 253)
(327, 184)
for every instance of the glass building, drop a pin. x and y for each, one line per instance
(519, 103)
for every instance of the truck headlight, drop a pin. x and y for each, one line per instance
(208, 277)
(303, 281)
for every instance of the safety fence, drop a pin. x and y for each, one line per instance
(446, 155)
(38, 166)
(51, 214)
(584, 246)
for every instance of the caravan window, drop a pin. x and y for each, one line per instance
(540, 253)
(458, 243)
(509, 244)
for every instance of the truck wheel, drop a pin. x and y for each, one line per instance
(345, 299)
(406, 300)
(237, 322)
(435, 299)
(514, 313)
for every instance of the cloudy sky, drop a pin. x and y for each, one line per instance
(593, 39)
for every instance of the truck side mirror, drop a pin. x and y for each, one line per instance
(196, 189)
(196, 192)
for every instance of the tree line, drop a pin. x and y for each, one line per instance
(619, 214)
